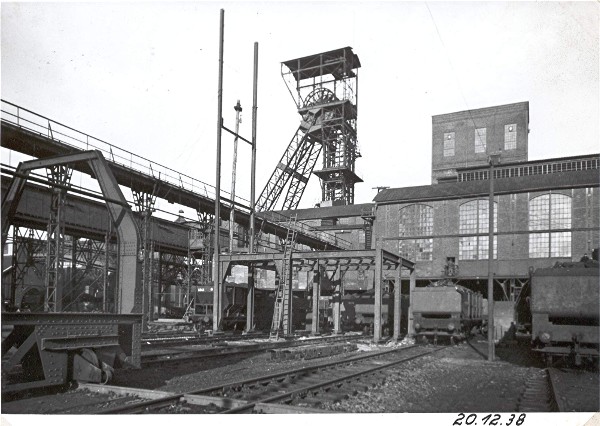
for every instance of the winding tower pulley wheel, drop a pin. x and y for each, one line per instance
(318, 97)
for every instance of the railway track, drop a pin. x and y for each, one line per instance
(168, 339)
(292, 391)
(218, 347)
(561, 390)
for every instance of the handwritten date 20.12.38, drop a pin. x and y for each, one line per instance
(505, 419)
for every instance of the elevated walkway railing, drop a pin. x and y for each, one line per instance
(52, 129)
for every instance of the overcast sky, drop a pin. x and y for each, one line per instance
(143, 76)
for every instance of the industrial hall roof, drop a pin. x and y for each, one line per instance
(481, 188)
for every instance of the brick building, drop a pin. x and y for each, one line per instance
(466, 138)
(545, 211)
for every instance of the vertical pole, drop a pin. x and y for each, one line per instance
(217, 297)
(251, 248)
(146, 263)
(337, 300)
(378, 278)
(413, 281)
(106, 261)
(161, 294)
(491, 330)
(397, 289)
(238, 110)
(289, 327)
(314, 327)
(17, 244)
(188, 312)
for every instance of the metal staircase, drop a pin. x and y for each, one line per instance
(281, 310)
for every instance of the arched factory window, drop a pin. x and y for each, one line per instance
(416, 220)
(473, 218)
(551, 214)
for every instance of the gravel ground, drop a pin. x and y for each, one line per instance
(456, 379)
(208, 372)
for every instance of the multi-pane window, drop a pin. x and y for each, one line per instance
(416, 220)
(480, 139)
(345, 221)
(473, 218)
(449, 144)
(550, 213)
(510, 136)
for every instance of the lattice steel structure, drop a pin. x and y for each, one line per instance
(325, 89)
(60, 175)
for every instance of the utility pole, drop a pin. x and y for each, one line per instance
(238, 120)
(217, 293)
(251, 243)
(493, 160)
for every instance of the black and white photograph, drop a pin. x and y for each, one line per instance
(204, 212)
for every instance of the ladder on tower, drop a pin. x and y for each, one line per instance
(281, 314)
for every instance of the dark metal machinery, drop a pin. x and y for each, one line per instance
(325, 89)
(53, 347)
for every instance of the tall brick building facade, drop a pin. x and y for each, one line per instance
(467, 138)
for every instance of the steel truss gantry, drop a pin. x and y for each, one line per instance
(325, 89)
(128, 299)
(54, 347)
(387, 266)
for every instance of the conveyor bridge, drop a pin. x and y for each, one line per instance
(32, 134)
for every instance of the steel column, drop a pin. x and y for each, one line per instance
(316, 294)
(413, 282)
(397, 291)
(337, 299)
(61, 175)
(377, 284)
(144, 203)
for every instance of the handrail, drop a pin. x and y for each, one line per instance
(65, 134)
(275, 217)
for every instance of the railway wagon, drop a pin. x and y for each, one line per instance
(564, 312)
(358, 312)
(446, 311)
(234, 313)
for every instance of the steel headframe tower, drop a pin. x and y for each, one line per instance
(325, 89)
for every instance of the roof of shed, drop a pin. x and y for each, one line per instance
(479, 188)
